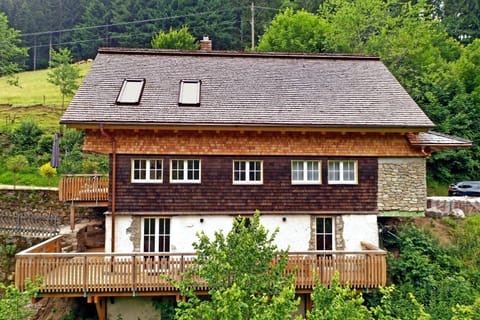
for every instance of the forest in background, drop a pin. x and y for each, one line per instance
(85, 25)
(430, 46)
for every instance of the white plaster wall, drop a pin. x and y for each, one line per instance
(358, 228)
(122, 237)
(184, 229)
(294, 233)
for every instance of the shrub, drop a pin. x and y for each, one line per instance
(47, 171)
(16, 164)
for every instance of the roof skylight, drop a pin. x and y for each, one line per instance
(131, 91)
(189, 92)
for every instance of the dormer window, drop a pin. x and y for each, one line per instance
(131, 91)
(189, 92)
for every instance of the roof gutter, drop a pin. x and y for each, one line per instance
(114, 175)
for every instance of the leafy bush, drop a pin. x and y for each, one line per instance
(398, 305)
(25, 140)
(16, 164)
(47, 171)
(471, 312)
(337, 302)
(14, 303)
(434, 273)
(467, 248)
(421, 258)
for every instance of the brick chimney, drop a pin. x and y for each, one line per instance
(206, 44)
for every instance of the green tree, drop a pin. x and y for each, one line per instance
(460, 115)
(395, 305)
(291, 31)
(11, 55)
(243, 280)
(462, 19)
(87, 39)
(63, 74)
(429, 270)
(16, 164)
(470, 312)
(137, 35)
(71, 148)
(337, 302)
(25, 139)
(353, 23)
(175, 39)
(14, 303)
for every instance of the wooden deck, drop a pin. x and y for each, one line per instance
(84, 188)
(112, 274)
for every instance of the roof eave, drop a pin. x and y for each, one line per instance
(242, 126)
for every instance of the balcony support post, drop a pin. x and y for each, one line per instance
(72, 216)
(100, 305)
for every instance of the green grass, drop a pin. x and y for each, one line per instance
(435, 188)
(27, 177)
(34, 99)
(47, 117)
(34, 89)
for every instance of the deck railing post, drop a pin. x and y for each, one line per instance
(85, 275)
(134, 275)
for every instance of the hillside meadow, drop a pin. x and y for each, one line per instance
(33, 99)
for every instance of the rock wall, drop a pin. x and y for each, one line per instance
(40, 202)
(402, 186)
(452, 206)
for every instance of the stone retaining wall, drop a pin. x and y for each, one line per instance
(452, 206)
(39, 202)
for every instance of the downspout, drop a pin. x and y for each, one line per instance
(114, 175)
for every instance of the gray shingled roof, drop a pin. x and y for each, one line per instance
(246, 89)
(436, 139)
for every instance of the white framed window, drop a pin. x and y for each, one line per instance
(131, 91)
(247, 172)
(147, 170)
(156, 235)
(342, 172)
(306, 172)
(156, 239)
(325, 233)
(189, 92)
(185, 171)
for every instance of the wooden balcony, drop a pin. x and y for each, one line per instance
(134, 274)
(86, 189)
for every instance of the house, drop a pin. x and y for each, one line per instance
(322, 144)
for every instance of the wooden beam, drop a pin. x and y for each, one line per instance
(72, 217)
(101, 307)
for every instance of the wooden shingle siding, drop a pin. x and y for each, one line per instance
(217, 193)
(197, 142)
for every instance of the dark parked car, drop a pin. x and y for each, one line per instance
(465, 188)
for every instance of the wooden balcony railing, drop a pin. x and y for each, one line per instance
(82, 274)
(83, 187)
